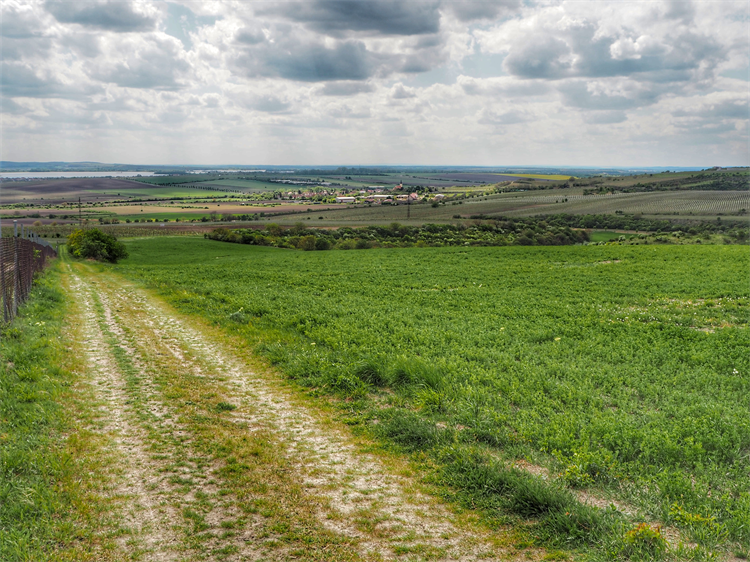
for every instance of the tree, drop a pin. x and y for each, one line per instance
(95, 244)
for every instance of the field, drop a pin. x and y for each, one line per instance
(56, 192)
(686, 196)
(607, 236)
(685, 205)
(498, 365)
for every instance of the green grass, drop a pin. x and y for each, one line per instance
(607, 236)
(251, 185)
(623, 369)
(47, 509)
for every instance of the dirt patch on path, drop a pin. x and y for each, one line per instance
(147, 522)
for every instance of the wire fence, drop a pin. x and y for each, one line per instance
(20, 259)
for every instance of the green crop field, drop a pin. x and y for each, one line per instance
(540, 176)
(619, 371)
(606, 236)
(247, 185)
(689, 205)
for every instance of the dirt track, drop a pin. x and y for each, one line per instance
(307, 491)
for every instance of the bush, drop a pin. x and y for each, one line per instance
(97, 245)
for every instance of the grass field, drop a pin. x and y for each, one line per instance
(484, 360)
(56, 192)
(607, 236)
(556, 177)
(689, 205)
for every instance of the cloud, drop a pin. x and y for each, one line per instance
(8, 106)
(718, 110)
(249, 36)
(180, 22)
(310, 61)
(23, 33)
(604, 117)
(346, 88)
(119, 16)
(346, 112)
(471, 10)
(422, 60)
(591, 95)
(503, 86)
(146, 62)
(564, 41)
(543, 57)
(386, 17)
(510, 117)
(19, 22)
(19, 80)
(299, 79)
(395, 129)
(399, 92)
(269, 104)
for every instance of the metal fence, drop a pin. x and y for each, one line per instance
(20, 258)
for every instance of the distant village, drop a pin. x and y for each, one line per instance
(373, 194)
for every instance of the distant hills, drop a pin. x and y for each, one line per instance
(579, 171)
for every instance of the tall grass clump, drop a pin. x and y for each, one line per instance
(412, 371)
(494, 487)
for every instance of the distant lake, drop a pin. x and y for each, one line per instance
(49, 175)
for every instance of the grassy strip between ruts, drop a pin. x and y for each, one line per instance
(50, 508)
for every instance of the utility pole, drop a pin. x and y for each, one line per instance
(80, 221)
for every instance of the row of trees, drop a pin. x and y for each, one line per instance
(636, 222)
(529, 232)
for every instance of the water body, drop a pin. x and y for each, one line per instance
(58, 175)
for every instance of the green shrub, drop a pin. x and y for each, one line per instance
(97, 245)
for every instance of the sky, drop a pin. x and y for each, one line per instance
(348, 82)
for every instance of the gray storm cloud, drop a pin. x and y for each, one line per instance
(112, 16)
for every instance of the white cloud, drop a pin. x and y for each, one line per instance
(376, 81)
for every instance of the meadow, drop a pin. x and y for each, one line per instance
(614, 371)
